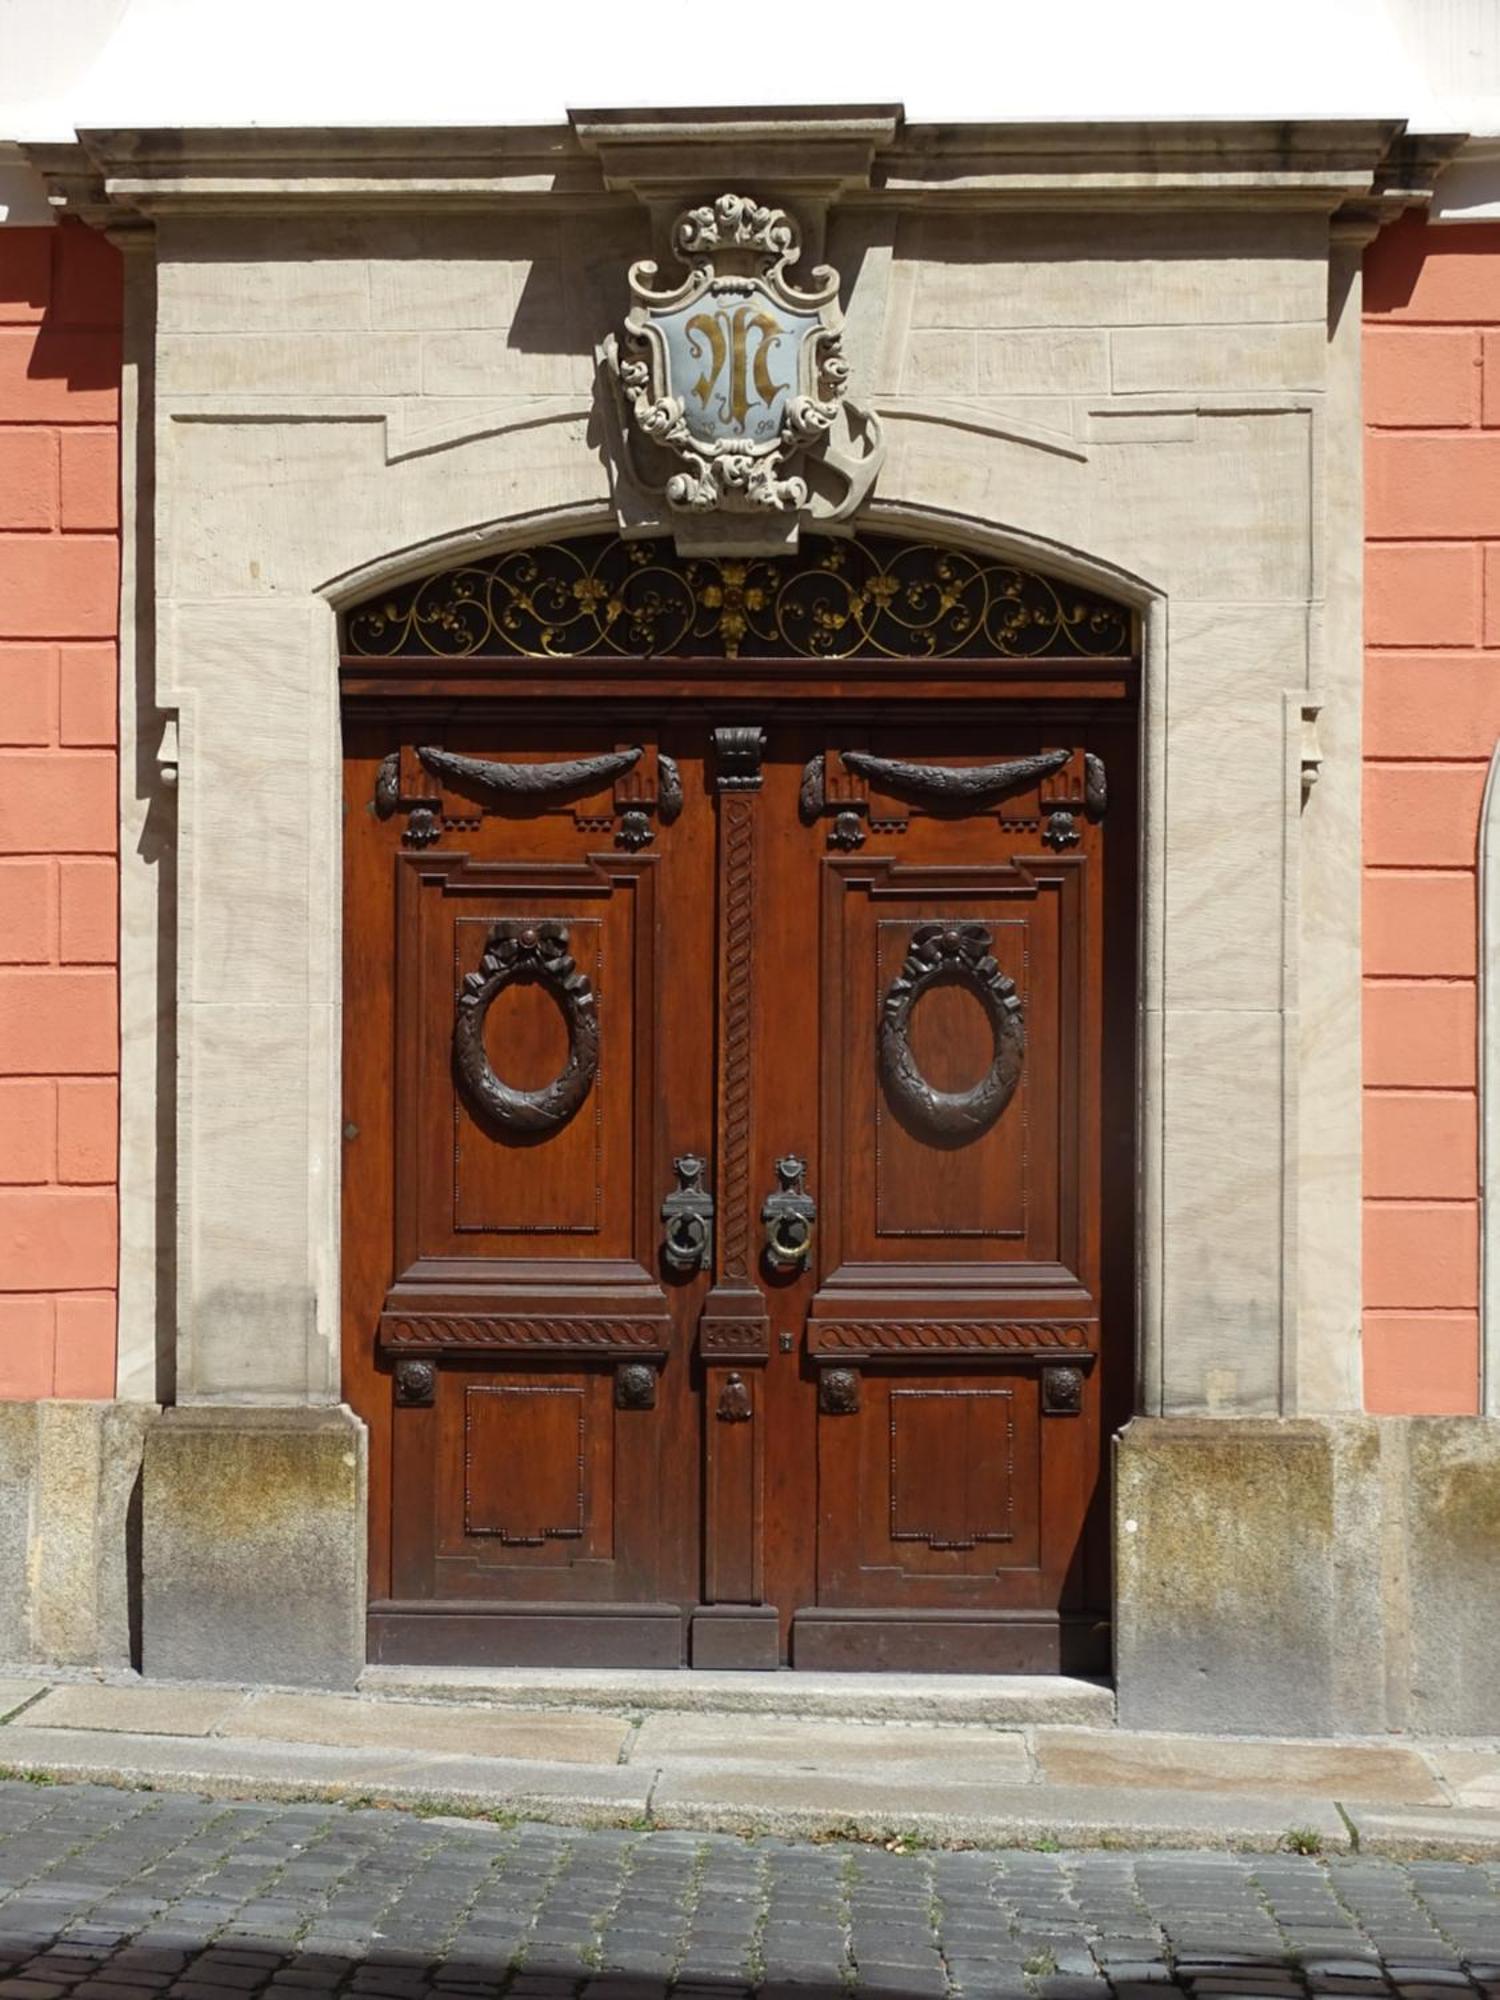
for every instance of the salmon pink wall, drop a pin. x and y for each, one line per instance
(1432, 715)
(60, 295)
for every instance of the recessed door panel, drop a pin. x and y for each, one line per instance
(525, 1021)
(951, 1120)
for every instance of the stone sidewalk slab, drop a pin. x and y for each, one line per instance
(866, 1806)
(346, 1720)
(952, 1782)
(15, 1694)
(901, 1754)
(1439, 1834)
(223, 1767)
(1388, 1774)
(1473, 1776)
(145, 1711)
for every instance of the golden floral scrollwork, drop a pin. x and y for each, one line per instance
(870, 597)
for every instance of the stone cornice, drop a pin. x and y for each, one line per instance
(827, 154)
(1303, 163)
(660, 156)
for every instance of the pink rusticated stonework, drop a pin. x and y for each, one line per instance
(1432, 716)
(60, 297)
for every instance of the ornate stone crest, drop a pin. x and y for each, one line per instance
(731, 390)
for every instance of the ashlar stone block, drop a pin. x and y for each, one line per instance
(254, 1546)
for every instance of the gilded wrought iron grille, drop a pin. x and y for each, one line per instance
(876, 596)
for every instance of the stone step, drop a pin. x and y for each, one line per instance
(1005, 1700)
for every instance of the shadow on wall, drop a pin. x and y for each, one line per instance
(1412, 242)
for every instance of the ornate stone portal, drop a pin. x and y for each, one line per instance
(730, 390)
(1104, 353)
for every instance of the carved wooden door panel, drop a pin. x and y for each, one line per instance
(529, 1020)
(903, 1374)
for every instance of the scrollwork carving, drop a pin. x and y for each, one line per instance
(1095, 785)
(812, 794)
(867, 596)
(531, 951)
(738, 751)
(950, 954)
(388, 785)
(668, 788)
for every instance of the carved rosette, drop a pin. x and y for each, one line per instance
(1062, 1392)
(732, 386)
(838, 1392)
(635, 1386)
(416, 1383)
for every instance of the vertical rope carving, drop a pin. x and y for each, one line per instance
(737, 959)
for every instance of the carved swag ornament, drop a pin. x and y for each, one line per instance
(731, 387)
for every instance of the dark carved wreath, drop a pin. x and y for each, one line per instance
(941, 955)
(519, 950)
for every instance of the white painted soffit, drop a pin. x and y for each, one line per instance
(133, 64)
(1468, 190)
(155, 63)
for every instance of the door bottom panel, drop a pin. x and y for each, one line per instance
(425, 1634)
(737, 1636)
(949, 1642)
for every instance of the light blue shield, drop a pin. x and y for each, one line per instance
(732, 357)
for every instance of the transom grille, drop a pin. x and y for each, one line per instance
(871, 597)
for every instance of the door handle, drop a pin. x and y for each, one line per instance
(688, 1213)
(788, 1216)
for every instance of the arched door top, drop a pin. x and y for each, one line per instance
(871, 596)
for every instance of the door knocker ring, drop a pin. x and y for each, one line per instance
(788, 1216)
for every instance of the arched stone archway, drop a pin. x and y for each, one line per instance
(762, 792)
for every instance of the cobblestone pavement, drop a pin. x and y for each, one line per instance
(116, 1895)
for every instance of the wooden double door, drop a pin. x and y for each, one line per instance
(737, 1177)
